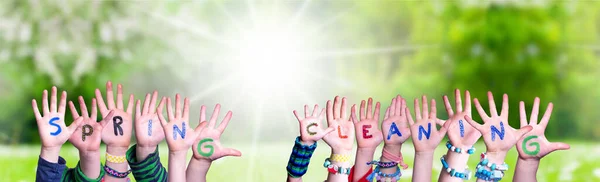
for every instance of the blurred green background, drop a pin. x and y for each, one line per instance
(264, 58)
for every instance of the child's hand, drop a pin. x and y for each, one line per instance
(207, 144)
(497, 134)
(180, 136)
(425, 136)
(51, 126)
(88, 136)
(342, 138)
(148, 130)
(534, 144)
(395, 123)
(117, 133)
(310, 131)
(461, 134)
(368, 134)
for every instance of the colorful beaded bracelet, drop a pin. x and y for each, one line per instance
(459, 150)
(115, 173)
(378, 175)
(495, 173)
(300, 158)
(333, 169)
(466, 175)
(485, 162)
(382, 164)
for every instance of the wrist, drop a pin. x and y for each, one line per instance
(89, 155)
(307, 143)
(365, 150)
(392, 148)
(142, 152)
(178, 153)
(341, 151)
(116, 150)
(50, 154)
(496, 157)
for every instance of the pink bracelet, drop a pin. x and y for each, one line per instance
(397, 159)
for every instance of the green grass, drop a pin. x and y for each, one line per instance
(266, 162)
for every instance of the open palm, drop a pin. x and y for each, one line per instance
(89, 135)
(51, 126)
(461, 134)
(311, 129)
(180, 136)
(208, 143)
(342, 138)
(395, 118)
(497, 134)
(534, 144)
(368, 134)
(117, 132)
(148, 129)
(424, 132)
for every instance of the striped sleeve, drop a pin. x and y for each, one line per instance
(148, 170)
(77, 175)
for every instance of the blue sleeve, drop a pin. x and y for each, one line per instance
(50, 172)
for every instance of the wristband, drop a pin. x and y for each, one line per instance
(466, 175)
(398, 159)
(495, 173)
(333, 169)
(459, 150)
(382, 164)
(115, 159)
(115, 173)
(340, 158)
(300, 158)
(377, 174)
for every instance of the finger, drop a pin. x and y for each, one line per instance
(159, 111)
(480, 110)
(200, 126)
(120, 97)
(232, 152)
(74, 112)
(442, 132)
(362, 110)
(387, 114)
(153, 102)
(138, 112)
(547, 114)
(215, 115)
(321, 114)
(327, 131)
(458, 100)
(468, 103)
(493, 110)
(409, 116)
(101, 104)
(36, 110)
(433, 114)
(535, 111)
(170, 109)
(146, 107)
(53, 100)
(370, 108)
(417, 110)
(523, 131)
(402, 107)
(203, 113)
(316, 112)
(353, 114)
(94, 110)
(344, 109)
(337, 107)
(474, 124)
(522, 114)
(399, 110)
(504, 112)
(392, 107)
(130, 105)
(329, 112)
(107, 118)
(62, 106)
(440, 122)
(225, 122)
(45, 107)
(448, 106)
(74, 125)
(186, 108)
(83, 107)
(559, 146)
(377, 113)
(109, 95)
(306, 115)
(177, 106)
(425, 112)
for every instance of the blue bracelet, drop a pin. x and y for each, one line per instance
(459, 150)
(495, 173)
(383, 164)
(378, 175)
(466, 175)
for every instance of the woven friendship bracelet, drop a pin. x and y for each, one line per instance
(340, 158)
(115, 159)
(300, 158)
(115, 173)
(382, 164)
(398, 159)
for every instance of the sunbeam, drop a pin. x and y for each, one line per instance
(214, 87)
(368, 51)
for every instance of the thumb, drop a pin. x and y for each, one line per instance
(200, 126)
(559, 146)
(327, 131)
(76, 124)
(107, 119)
(232, 152)
(523, 131)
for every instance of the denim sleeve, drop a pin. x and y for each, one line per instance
(50, 172)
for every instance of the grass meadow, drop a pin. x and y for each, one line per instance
(267, 161)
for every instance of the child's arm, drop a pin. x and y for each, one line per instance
(499, 137)
(534, 145)
(425, 137)
(53, 133)
(306, 143)
(180, 136)
(207, 147)
(462, 137)
(117, 132)
(341, 140)
(368, 137)
(395, 131)
(143, 157)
